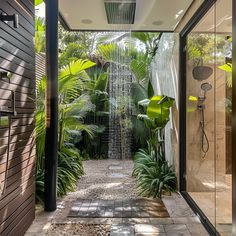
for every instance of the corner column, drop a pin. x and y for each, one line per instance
(51, 140)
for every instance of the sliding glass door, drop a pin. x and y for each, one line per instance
(208, 115)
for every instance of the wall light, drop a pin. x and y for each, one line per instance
(13, 18)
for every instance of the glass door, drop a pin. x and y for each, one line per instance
(208, 115)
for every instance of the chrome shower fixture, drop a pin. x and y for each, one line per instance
(202, 72)
(206, 87)
(201, 107)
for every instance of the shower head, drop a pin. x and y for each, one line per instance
(202, 72)
(206, 87)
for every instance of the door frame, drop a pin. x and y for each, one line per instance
(203, 9)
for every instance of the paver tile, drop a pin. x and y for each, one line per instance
(148, 228)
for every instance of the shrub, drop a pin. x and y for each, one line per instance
(153, 176)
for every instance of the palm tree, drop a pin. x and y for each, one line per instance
(73, 107)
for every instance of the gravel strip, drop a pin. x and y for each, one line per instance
(99, 182)
(79, 229)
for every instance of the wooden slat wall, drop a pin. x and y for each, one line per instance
(17, 143)
(40, 62)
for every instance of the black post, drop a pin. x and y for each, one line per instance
(51, 141)
(234, 120)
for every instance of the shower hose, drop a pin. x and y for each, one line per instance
(204, 141)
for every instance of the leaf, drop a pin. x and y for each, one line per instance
(76, 67)
(102, 82)
(226, 67)
(139, 68)
(159, 106)
(138, 93)
(150, 90)
(192, 98)
(191, 109)
(144, 103)
(38, 2)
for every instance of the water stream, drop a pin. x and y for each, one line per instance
(120, 111)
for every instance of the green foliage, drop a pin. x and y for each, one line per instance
(139, 68)
(150, 40)
(40, 36)
(227, 68)
(70, 168)
(37, 2)
(72, 52)
(140, 131)
(138, 92)
(39, 185)
(201, 48)
(73, 107)
(153, 173)
(153, 176)
(159, 109)
(109, 52)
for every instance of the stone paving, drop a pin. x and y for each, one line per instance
(124, 208)
(115, 184)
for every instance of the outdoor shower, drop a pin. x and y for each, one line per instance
(201, 107)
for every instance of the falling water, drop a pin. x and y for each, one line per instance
(120, 111)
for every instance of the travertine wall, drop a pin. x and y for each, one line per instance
(201, 169)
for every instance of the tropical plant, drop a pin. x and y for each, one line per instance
(157, 116)
(73, 107)
(40, 36)
(154, 174)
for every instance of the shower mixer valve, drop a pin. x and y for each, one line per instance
(201, 106)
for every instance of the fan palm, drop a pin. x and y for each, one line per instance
(73, 107)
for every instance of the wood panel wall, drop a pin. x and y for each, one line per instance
(17, 146)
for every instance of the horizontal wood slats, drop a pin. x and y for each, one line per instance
(17, 142)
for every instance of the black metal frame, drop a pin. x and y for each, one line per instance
(234, 120)
(51, 140)
(206, 5)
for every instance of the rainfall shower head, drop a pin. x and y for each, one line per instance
(120, 11)
(202, 72)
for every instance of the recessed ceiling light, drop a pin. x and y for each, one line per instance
(157, 22)
(86, 21)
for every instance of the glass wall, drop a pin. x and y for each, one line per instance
(209, 82)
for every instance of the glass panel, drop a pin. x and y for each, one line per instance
(200, 114)
(209, 93)
(223, 94)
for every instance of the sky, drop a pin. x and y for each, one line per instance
(40, 10)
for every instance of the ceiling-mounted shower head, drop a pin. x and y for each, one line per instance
(120, 11)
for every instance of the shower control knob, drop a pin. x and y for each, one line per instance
(201, 106)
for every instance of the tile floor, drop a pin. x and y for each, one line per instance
(101, 180)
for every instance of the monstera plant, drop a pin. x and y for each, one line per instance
(153, 172)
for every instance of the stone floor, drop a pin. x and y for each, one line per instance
(112, 181)
(124, 208)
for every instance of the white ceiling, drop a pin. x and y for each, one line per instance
(151, 15)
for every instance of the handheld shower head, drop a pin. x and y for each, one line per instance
(206, 87)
